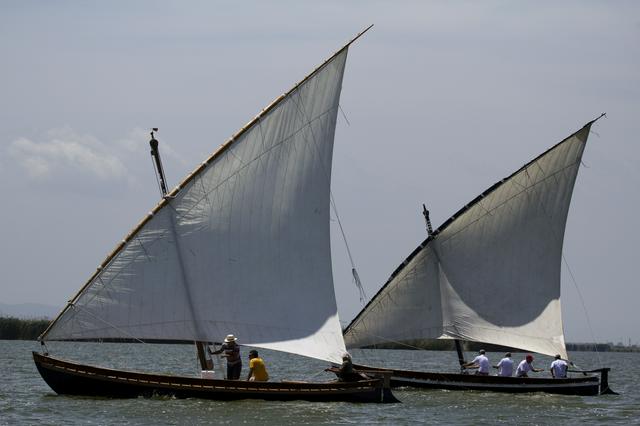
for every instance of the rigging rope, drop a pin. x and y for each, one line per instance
(219, 359)
(157, 174)
(354, 272)
(107, 323)
(564, 259)
(344, 115)
(584, 308)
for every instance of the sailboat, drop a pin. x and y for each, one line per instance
(240, 246)
(489, 274)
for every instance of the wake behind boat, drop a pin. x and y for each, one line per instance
(240, 245)
(490, 274)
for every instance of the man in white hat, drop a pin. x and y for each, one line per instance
(231, 351)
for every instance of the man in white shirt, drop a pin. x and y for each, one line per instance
(559, 368)
(505, 366)
(525, 366)
(481, 362)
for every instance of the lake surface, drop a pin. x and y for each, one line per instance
(26, 399)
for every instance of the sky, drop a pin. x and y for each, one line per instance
(440, 101)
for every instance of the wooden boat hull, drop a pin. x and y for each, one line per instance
(70, 378)
(587, 385)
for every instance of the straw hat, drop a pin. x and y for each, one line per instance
(230, 338)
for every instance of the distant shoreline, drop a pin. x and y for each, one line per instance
(12, 328)
(449, 345)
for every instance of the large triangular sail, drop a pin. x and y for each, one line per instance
(240, 246)
(491, 273)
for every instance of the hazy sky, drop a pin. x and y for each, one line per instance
(442, 99)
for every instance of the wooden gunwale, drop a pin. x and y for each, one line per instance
(588, 385)
(143, 383)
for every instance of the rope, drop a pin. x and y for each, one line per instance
(564, 259)
(397, 342)
(584, 308)
(115, 327)
(108, 323)
(316, 374)
(223, 372)
(354, 272)
(157, 174)
(344, 115)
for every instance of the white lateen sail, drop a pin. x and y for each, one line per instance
(240, 246)
(491, 273)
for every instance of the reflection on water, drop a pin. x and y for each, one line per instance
(26, 399)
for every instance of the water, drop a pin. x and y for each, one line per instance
(26, 399)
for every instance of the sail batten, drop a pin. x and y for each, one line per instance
(491, 272)
(240, 246)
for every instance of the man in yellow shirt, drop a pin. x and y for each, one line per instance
(257, 370)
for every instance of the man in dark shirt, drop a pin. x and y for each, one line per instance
(232, 353)
(346, 373)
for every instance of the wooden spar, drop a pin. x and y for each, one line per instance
(460, 353)
(206, 363)
(217, 153)
(425, 213)
(155, 153)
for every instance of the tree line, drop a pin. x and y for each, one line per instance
(29, 329)
(22, 329)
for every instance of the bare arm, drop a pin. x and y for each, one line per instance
(215, 352)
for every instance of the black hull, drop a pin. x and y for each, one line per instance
(587, 385)
(69, 378)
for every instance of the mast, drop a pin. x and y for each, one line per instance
(457, 342)
(460, 353)
(206, 363)
(155, 155)
(425, 213)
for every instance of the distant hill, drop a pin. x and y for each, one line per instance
(28, 310)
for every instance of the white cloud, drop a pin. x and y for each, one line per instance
(135, 142)
(66, 155)
(65, 159)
